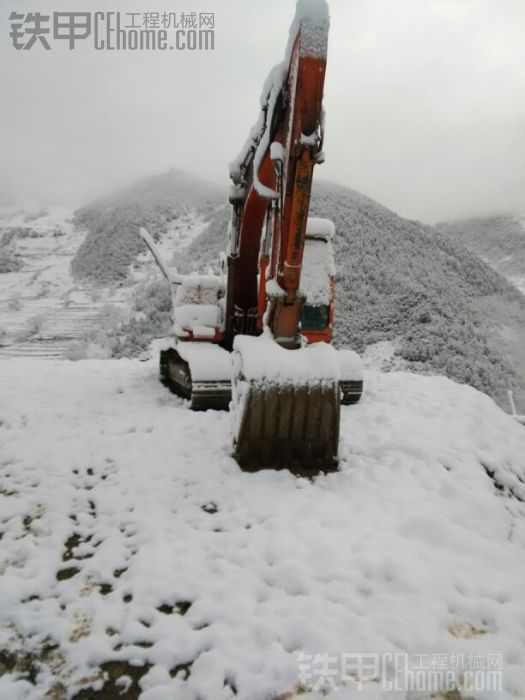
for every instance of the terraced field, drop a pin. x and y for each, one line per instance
(42, 309)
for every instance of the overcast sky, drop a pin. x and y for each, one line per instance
(425, 102)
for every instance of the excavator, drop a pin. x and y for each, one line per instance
(256, 338)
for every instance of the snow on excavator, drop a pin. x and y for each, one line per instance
(258, 337)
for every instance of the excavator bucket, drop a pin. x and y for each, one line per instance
(286, 406)
(293, 427)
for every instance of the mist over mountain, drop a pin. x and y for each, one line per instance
(6, 199)
(499, 240)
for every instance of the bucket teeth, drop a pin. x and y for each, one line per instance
(290, 426)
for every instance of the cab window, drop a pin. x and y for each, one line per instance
(315, 318)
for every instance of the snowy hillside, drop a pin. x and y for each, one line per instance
(401, 280)
(43, 310)
(46, 310)
(500, 240)
(135, 553)
(157, 203)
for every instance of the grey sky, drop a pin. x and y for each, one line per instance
(425, 102)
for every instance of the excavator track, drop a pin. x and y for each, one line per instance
(351, 391)
(175, 374)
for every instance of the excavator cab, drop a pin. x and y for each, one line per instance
(318, 280)
(315, 321)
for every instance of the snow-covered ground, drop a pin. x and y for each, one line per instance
(135, 553)
(382, 355)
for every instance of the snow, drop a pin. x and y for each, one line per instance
(207, 361)
(271, 90)
(181, 558)
(181, 232)
(277, 151)
(518, 281)
(309, 140)
(318, 268)
(199, 289)
(169, 273)
(196, 307)
(195, 297)
(312, 18)
(350, 365)
(263, 359)
(382, 355)
(320, 228)
(44, 312)
(274, 289)
(42, 296)
(201, 319)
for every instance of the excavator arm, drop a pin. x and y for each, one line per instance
(272, 180)
(285, 394)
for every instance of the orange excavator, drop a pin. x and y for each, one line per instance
(257, 338)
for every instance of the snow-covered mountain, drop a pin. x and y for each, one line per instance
(407, 295)
(499, 240)
(400, 280)
(138, 560)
